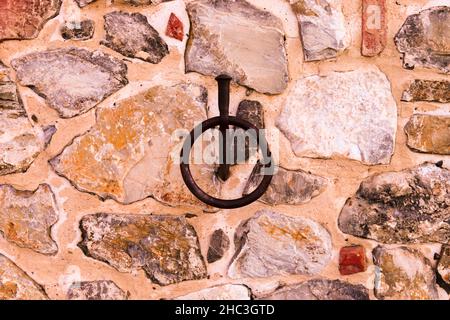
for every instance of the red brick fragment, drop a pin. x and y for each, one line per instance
(374, 26)
(175, 28)
(352, 260)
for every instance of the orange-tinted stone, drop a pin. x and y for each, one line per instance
(175, 28)
(352, 260)
(373, 27)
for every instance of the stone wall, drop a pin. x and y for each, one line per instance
(354, 96)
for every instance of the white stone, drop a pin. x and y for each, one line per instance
(224, 292)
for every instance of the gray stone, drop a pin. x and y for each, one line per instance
(322, 27)
(224, 292)
(409, 206)
(83, 30)
(131, 35)
(121, 156)
(427, 90)
(26, 218)
(71, 80)
(83, 3)
(342, 115)
(15, 284)
(165, 247)
(95, 290)
(320, 289)
(225, 37)
(287, 186)
(218, 246)
(20, 142)
(429, 133)
(443, 267)
(251, 111)
(24, 19)
(270, 244)
(403, 274)
(424, 39)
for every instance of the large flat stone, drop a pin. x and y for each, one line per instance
(20, 141)
(131, 35)
(427, 90)
(71, 80)
(126, 154)
(26, 218)
(344, 114)
(95, 290)
(226, 37)
(24, 19)
(404, 274)
(320, 289)
(322, 28)
(429, 133)
(165, 247)
(409, 206)
(15, 284)
(224, 292)
(287, 186)
(424, 39)
(271, 243)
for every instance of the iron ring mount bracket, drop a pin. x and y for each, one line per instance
(223, 122)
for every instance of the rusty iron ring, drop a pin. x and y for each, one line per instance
(193, 186)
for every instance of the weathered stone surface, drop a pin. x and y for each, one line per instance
(226, 38)
(272, 244)
(23, 19)
(429, 133)
(320, 289)
(95, 290)
(71, 80)
(374, 27)
(121, 157)
(26, 217)
(345, 114)
(409, 206)
(427, 90)
(131, 35)
(443, 267)
(251, 111)
(83, 30)
(165, 247)
(15, 284)
(143, 2)
(352, 259)
(175, 28)
(424, 39)
(83, 3)
(225, 292)
(20, 142)
(322, 28)
(218, 246)
(287, 186)
(404, 274)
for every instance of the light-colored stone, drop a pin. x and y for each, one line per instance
(443, 267)
(15, 284)
(320, 289)
(24, 19)
(427, 90)
(131, 35)
(26, 218)
(226, 37)
(165, 247)
(344, 114)
(20, 141)
(409, 206)
(287, 186)
(322, 28)
(424, 39)
(126, 156)
(429, 133)
(403, 274)
(71, 80)
(95, 290)
(271, 243)
(224, 292)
